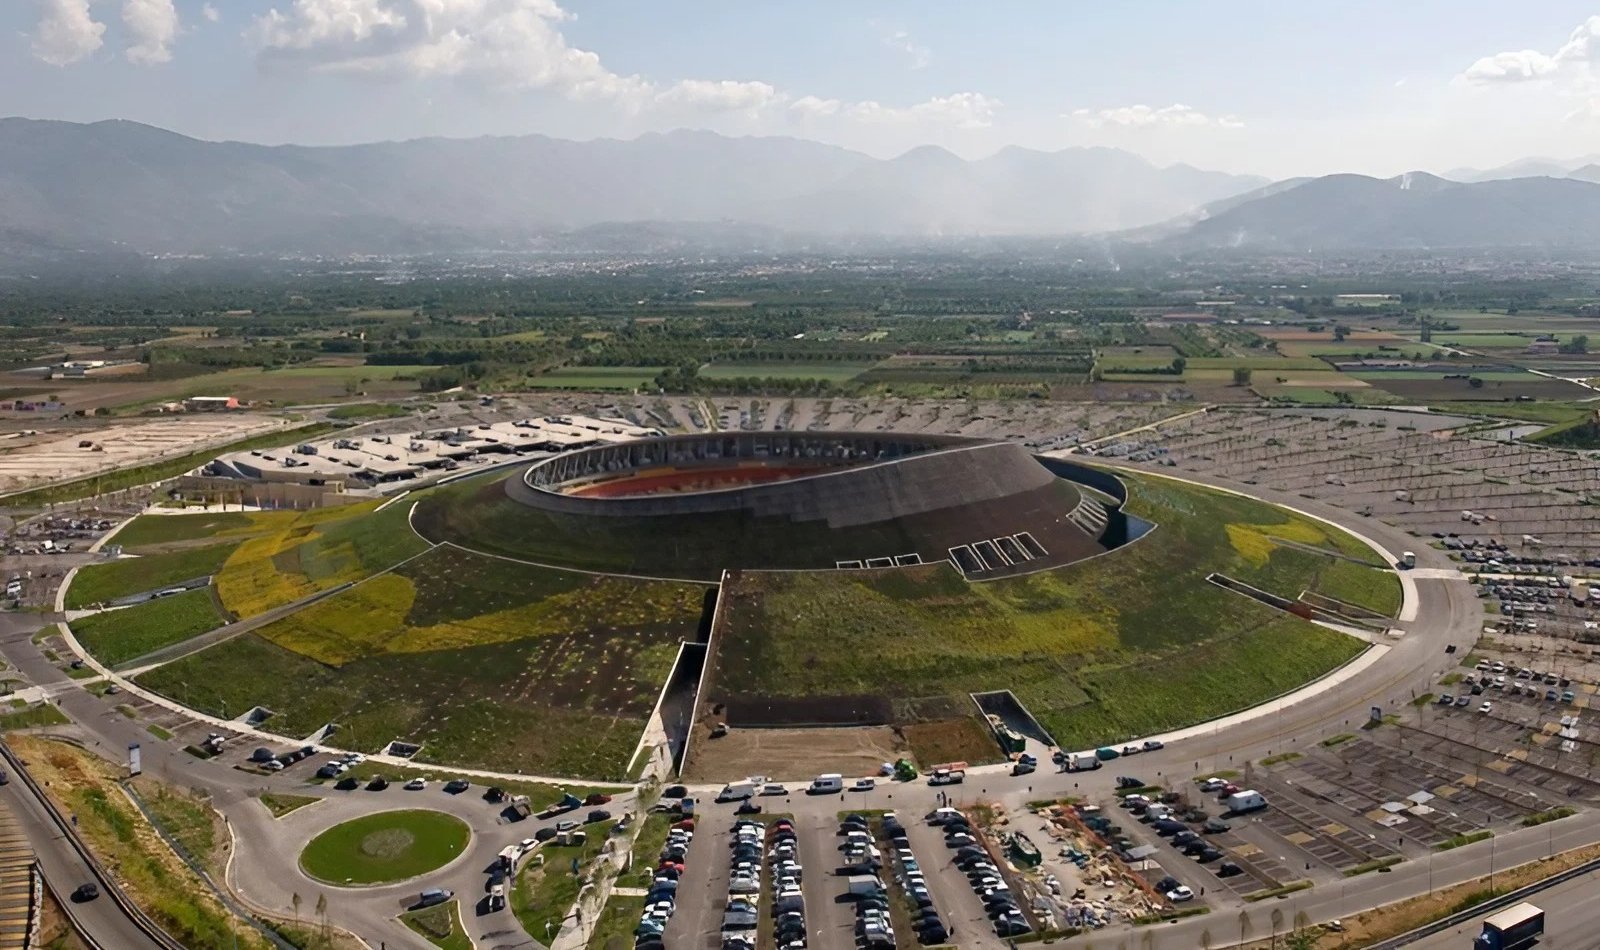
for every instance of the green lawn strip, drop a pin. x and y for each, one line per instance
(281, 804)
(158, 471)
(154, 529)
(1376, 864)
(1549, 815)
(120, 836)
(1461, 841)
(836, 372)
(616, 922)
(44, 714)
(106, 581)
(115, 636)
(1376, 589)
(385, 847)
(440, 925)
(369, 410)
(1286, 889)
(647, 847)
(184, 817)
(158, 731)
(1279, 758)
(543, 895)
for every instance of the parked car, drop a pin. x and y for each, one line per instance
(457, 786)
(416, 785)
(864, 785)
(1150, 745)
(1180, 894)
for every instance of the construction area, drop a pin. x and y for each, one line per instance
(34, 457)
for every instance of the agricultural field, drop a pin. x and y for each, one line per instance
(317, 550)
(295, 385)
(123, 577)
(589, 378)
(116, 636)
(834, 371)
(485, 662)
(1423, 386)
(1091, 648)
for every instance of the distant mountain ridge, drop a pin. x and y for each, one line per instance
(1412, 211)
(120, 184)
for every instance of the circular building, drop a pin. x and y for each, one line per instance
(694, 505)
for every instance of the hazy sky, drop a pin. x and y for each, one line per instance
(1278, 87)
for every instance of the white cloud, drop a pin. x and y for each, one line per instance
(210, 13)
(1142, 116)
(518, 44)
(65, 32)
(1513, 66)
(723, 96)
(152, 25)
(1572, 58)
(811, 107)
(917, 56)
(963, 110)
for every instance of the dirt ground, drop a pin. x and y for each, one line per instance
(55, 933)
(798, 753)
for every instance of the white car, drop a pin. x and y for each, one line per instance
(416, 785)
(865, 784)
(1131, 750)
(1212, 784)
(1485, 707)
(1180, 894)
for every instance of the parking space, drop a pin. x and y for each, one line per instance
(702, 890)
(960, 906)
(830, 916)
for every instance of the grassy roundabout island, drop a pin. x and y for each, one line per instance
(384, 848)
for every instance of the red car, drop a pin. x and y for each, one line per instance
(598, 798)
(1229, 789)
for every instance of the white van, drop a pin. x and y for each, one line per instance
(826, 784)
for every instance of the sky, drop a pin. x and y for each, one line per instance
(1270, 87)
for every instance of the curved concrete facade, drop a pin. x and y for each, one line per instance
(877, 478)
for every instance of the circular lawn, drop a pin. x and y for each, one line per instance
(386, 847)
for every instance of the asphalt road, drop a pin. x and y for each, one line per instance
(1571, 920)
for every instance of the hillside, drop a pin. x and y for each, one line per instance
(1416, 210)
(124, 185)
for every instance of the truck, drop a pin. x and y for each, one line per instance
(861, 885)
(1511, 929)
(1246, 800)
(827, 784)
(946, 776)
(1082, 762)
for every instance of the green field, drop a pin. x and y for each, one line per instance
(385, 847)
(833, 371)
(486, 662)
(152, 530)
(116, 636)
(597, 377)
(370, 410)
(615, 925)
(101, 583)
(316, 550)
(440, 925)
(543, 895)
(1092, 648)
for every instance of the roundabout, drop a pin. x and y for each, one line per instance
(385, 848)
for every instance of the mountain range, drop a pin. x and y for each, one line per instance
(119, 186)
(132, 185)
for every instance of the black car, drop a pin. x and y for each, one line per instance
(457, 786)
(1128, 781)
(1215, 826)
(377, 784)
(544, 834)
(1228, 869)
(87, 891)
(748, 807)
(1167, 883)
(348, 783)
(494, 794)
(599, 814)
(675, 791)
